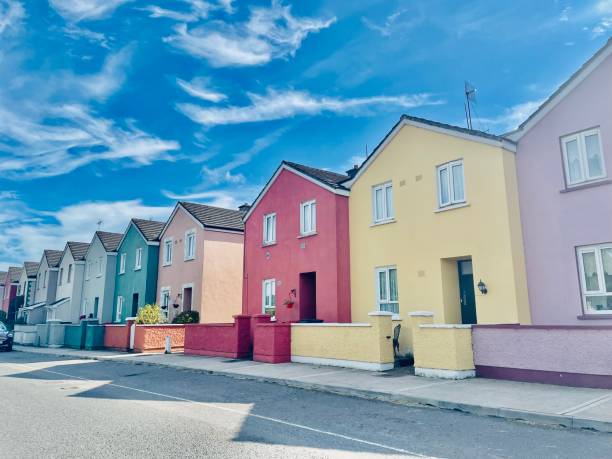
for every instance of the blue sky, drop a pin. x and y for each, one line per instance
(112, 109)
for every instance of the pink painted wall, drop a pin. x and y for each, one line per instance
(326, 253)
(581, 350)
(555, 223)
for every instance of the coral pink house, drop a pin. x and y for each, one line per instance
(200, 262)
(297, 247)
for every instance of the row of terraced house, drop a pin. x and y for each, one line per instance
(474, 253)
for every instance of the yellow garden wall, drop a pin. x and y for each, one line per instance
(357, 345)
(424, 244)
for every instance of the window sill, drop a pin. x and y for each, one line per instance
(137, 269)
(452, 207)
(383, 222)
(122, 273)
(166, 264)
(302, 236)
(595, 316)
(188, 259)
(268, 244)
(587, 185)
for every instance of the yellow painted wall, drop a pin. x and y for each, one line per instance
(222, 277)
(424, 244)
(357, 342)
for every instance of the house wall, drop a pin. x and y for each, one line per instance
(326, 253)
(10, 291)
(424, 245)
(46, 292)
(27, 287)
(100, 285)
(182, 272)
(222, 276)
(554, 222)
(135, 281)
(71, 310)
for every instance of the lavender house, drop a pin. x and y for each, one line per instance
(564, 166)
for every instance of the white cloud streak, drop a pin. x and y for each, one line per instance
(198, 87)
(270, 33)
(276, 105)
(86, 10)
(12, 14)
(512, 117)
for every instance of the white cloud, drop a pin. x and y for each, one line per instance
(278, 105)
(512, 117)
(227, 5)
(398, 21)
(198, 87)
(602, 28)
(229, 199)
(565, 14)
(86, 10)
(270, 33)
(28, 232)
(198, 10)
(75, 32)
(12, 14)
(604, 6)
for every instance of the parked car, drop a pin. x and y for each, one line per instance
(6, 337)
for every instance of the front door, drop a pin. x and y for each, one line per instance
(134, 305)
(308, 296)
(187, 294)
(96, 305)
(466, 292)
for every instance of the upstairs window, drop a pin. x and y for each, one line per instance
(122, 263)
(269, 229)
(387, 298)
(382, 203)
(100, 266)
(595, 265)
(168, 252)
(583, 157)
(45, 280)
(69, 276)
(61, 276)
(451, 187)
(190, 245)
(138, 262)
(308, 217)
(269, 297)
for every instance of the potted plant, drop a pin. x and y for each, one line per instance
(289, 302)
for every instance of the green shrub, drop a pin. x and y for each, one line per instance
(150, 314)
(187, 317)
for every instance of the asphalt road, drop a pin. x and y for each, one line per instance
(75, 408)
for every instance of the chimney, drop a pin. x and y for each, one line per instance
(351, 172)
(244, 208)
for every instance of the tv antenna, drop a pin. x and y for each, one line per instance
(470, 99)
(100, 222)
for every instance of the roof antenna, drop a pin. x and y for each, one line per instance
(366, 150)
(100, 222)
(470, 98)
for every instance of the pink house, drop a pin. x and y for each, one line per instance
(200, 262)
(296, 247)
(11, 283)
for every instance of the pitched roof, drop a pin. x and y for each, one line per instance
(110, 241)
(328, 178)
(215, 217)
(150, 229)
(14, 273)
(53, 257)
(451, 127)
(577, 77)
(2, 277)
(78, 250)
(31, 268)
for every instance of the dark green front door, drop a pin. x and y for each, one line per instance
(466, 292)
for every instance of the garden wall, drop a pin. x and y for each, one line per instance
(152, 338)
(232, 340)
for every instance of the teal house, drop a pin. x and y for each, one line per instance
(136, 274)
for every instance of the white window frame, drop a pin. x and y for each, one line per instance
(138, 259)
(579, 137)
(188, 234)
(60, 277)
(122, 260)
(88, 267)
(167, 254)
(265, 306)
(99, 267)
(69, 275)
(387, 300)
(165, 292)
(269, 219)
(45, 279)
(597, 250)
(312, 206)
(450, 183)
(119, 311)
(387, 212)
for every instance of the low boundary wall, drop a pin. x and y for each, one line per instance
(366, 346)
(272, 342)
(117, 336)
(564, 355)
(231, 340)
(25, 335)
(152, 338)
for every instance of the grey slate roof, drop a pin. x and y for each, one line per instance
(215, 217)
(53, 257)
(2, 277)
(31, 268)
(451, 127)
(14, 273)
(149, 228)
(78, 250)
(328, 178)
(110, 241)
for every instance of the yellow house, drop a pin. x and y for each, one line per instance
(435, 226)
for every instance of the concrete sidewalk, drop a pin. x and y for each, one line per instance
(538, 403)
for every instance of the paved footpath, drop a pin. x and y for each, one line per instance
(573, 407)
(62, 407)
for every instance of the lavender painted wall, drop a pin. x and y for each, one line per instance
(557, 349)
(556, 222)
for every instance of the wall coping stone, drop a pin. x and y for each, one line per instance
(420, 314)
